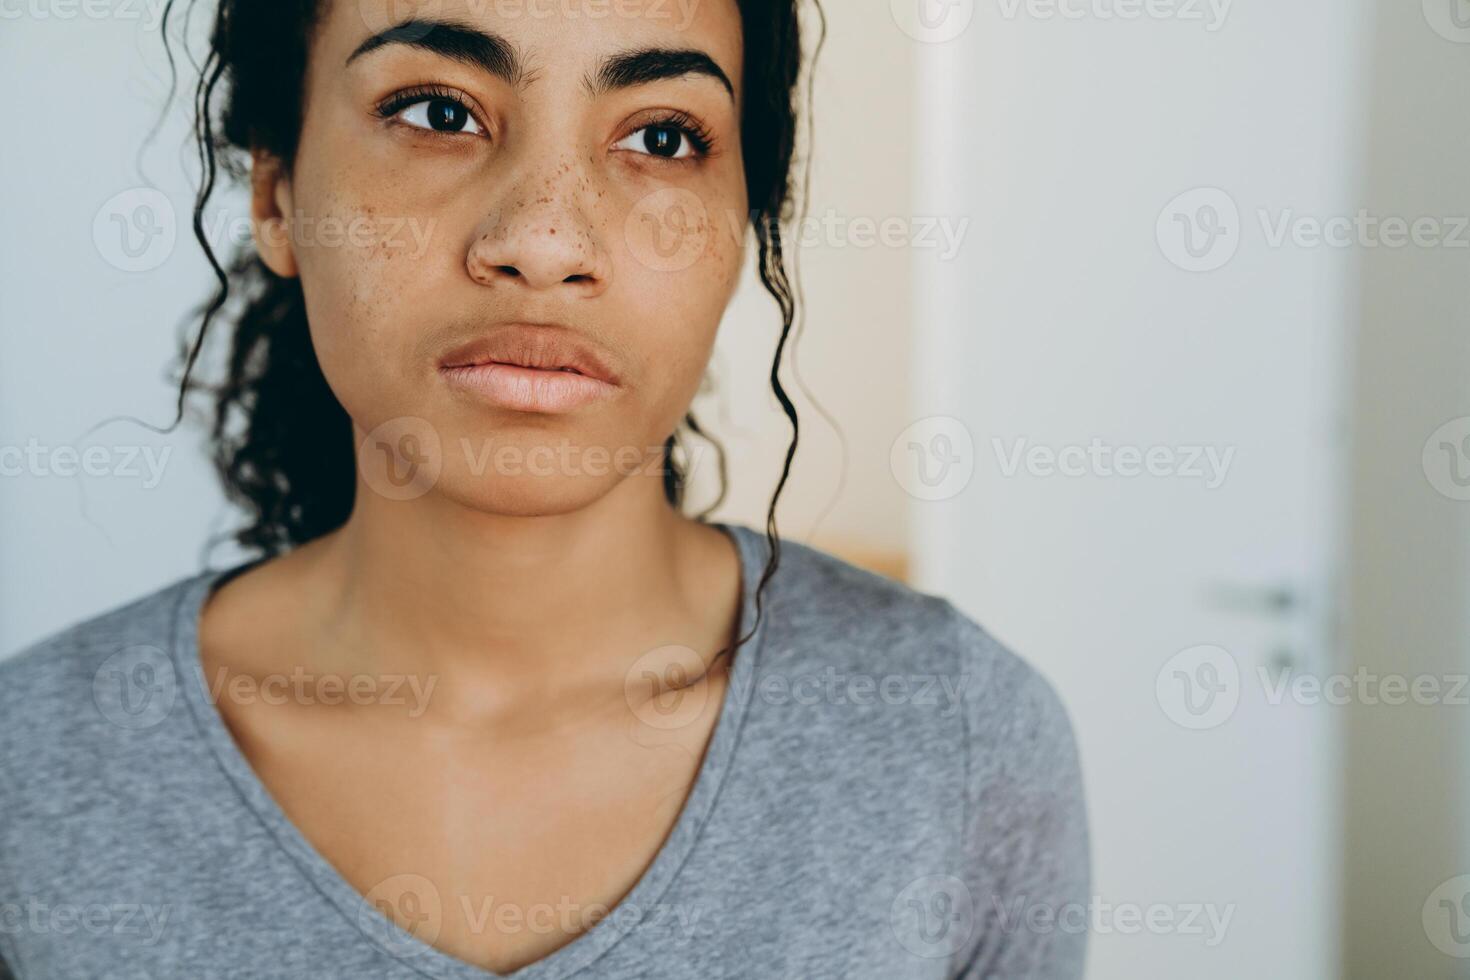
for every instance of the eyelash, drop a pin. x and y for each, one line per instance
(695, 131)
(682, 121)
(399, 101)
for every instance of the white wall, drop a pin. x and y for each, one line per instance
(82, 339)
(1069, 135)
(1065, 138)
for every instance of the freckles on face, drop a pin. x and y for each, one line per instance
(464, 198)
(360, 263)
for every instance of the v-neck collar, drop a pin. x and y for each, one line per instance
(374, 927)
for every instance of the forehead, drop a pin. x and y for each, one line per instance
(551, 37)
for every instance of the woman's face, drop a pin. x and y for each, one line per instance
(555, 184)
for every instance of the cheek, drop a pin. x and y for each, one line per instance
(678, 265)
(359, 265)
(677, 316)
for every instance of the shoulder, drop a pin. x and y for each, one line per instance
(999, 729)
(52, 664)
(826, 601)
(887, 622)
(1014, 724)
(75, 695)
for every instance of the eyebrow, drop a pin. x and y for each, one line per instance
(458, 42)
(651, 65)
(494, 54)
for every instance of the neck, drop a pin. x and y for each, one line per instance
(434, 586)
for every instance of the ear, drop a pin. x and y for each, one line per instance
(270, 214)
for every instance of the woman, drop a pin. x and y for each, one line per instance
(488, 704)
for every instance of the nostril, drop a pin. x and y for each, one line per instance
(509, 270)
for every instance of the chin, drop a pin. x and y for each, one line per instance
(524, 496)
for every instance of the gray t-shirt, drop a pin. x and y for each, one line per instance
(887, 793)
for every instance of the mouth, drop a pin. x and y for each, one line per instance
(531, 368)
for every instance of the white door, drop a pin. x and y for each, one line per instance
(1132, 370)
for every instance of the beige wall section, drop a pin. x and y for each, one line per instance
(1408, 792)
(855, 351)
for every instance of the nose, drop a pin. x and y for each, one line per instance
(541, 240)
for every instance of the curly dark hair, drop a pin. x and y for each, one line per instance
(282, 443)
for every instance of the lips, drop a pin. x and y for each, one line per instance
(531, 368)
(538, 348)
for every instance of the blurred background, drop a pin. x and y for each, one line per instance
(1135, 327)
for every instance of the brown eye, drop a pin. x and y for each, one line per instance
(664, 141)
(440, 115)
(669, 142)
